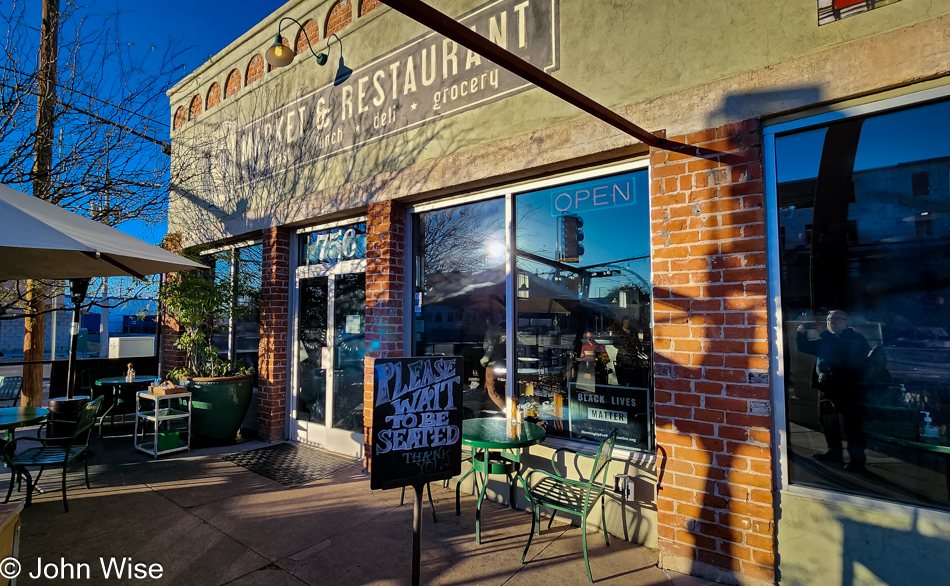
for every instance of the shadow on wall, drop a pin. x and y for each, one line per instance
(235, 173)
(623, 514)
(871, 549)
(757, 104)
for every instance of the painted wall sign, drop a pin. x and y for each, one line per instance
(598, 194)
(595, 410)
(417, 420)
(429, 78)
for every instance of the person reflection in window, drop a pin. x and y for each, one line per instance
(842, 360)
(631, 363)
(594, 359)
(494, 362)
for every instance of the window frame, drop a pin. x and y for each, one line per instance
(780, 445)
(509, 193)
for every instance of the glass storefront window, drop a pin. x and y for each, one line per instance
(864, 232)
(238, 336)
(582, 335)
(459, 296)
(584, 328)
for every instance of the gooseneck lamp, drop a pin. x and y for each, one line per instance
(280, 55)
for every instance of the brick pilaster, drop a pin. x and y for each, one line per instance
(170, 356)
(385, 298)
(273, 363)
(715, 504)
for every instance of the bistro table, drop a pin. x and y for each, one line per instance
(14, 417)
(496, 446)
(123, 391)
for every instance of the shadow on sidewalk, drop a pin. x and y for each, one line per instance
(206, 521)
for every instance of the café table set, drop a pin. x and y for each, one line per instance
(12, 418)
(496, 444)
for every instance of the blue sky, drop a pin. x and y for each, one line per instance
(194, 30)
(197, 29)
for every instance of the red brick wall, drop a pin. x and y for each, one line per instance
(233, 84)
(367, 5)
(255, 70)
(180, 117)
(385, 298)
(214, 96)
(313, 33)
(274, 364)
(195, 108)
(340, 15)
(712, 353)
(170, 357)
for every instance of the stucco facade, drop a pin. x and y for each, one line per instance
(260, 154)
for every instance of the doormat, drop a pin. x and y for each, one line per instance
(291, 464)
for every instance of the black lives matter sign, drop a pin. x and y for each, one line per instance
(417, 420)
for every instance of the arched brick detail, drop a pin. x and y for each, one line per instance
(312, 30)
(367, 5)
(284, 42)
(233, 84)
(195, 109)
(214, 96)
(180, 117)
(340, 15)
(255, 70)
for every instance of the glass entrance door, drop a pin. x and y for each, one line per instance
(329, 351)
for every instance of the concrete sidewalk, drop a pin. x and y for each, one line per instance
(207, 522)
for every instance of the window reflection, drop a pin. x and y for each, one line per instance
(864, 233)
(584, 341)
(238, 336)
(459, 297)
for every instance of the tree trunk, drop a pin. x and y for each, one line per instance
(33, 345)
(34, 341)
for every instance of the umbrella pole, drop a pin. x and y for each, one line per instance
(78, 289)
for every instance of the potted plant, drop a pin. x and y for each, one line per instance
(221, 388)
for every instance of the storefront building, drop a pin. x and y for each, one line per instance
(759, 306)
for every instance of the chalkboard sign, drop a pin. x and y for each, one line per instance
(417, 420)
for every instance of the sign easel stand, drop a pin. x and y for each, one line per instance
(416, 534)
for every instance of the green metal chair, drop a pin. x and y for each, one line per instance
(572, 496)
(65, 451)
(10, 387)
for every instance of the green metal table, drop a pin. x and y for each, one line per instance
(496, 448)
(123, 391)
(14, 417)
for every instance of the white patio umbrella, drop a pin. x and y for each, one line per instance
(39, 240)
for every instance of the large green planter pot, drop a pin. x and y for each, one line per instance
(218, 405)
